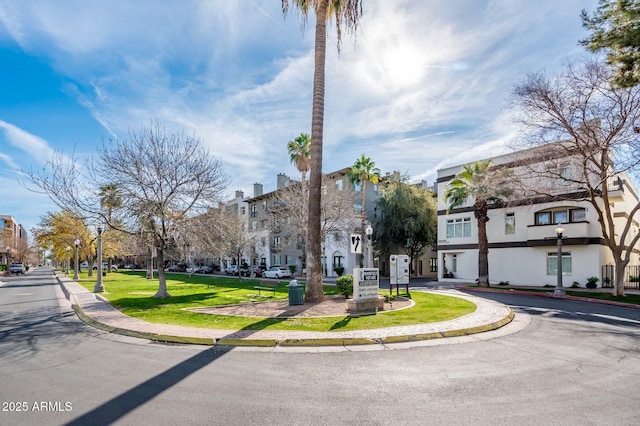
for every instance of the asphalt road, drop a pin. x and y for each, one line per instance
(568, 363)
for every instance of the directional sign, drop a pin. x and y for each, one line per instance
(356, 243)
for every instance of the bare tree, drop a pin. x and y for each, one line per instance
(594, 126)
(161, 179)
(291, 210)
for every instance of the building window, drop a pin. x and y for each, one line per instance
(554, 217)
(433, 264)
(243, 210)
(276, 260)
(254, 225)
(254, 211)
(337, 261)
(510, 223)
(578, 215)
(459, 228)
(276, 243)
(552, 263)
(339, 185)
(264, 205)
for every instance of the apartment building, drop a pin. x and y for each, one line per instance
(13, 240)
(274, 220)
(522, 234)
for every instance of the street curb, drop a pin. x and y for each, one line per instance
(340, 341)
(451, 333)
(550, 295)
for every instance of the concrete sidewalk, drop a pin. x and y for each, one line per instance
(97, 312)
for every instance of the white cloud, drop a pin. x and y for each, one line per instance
(424, 85)
(32, 145)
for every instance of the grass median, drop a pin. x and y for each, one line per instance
(132, 294)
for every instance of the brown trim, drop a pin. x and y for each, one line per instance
(445, 178)
(549, 242)
(573, 196)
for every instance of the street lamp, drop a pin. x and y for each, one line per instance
(369, 232)
(99, 287)
(68, 249)
(559, 290)
(75, 275)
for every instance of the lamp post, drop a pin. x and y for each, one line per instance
(99, 287)
(68, 249)
(75, 275)
(369, 232)
(559, 290)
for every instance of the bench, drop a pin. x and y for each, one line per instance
(267, 285)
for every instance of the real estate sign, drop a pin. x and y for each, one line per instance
(366, 282)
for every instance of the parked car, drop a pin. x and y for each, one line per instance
(16, 268)
(114, 268)
(259, 269)
(276, 272)
(130, 266)
(204, 269)
(177, 268)
(233, 270)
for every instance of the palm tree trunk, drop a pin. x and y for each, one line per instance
(314, 291)
(483, 244)
(362, 219)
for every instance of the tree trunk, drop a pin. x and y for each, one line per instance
(618, 286)
(363, 219)
(162, 280)
(314, 291)
(480, 210)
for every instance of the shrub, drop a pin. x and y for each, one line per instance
(634, 279)
(339, 270)
(292, 269)
(592, 282)
(344, 284)
(503, 283)
(575, 284)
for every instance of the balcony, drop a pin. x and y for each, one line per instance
(615, 190)
(571, 230)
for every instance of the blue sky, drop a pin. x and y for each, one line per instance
(423, 85)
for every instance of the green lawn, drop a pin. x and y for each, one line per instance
(132, 294)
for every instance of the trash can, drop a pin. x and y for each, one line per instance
(296, 296)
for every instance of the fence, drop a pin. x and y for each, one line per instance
(631, 277)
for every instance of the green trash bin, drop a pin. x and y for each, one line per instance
(296, 293)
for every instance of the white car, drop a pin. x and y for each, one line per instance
(114, 268)
(276, 272)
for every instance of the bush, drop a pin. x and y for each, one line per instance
(634, 279)
(344, 284)
(339, 270)
(503, 283)
(592, 282)
(292, 269)
(575, 284)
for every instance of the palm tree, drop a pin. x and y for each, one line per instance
(364, 170)
(488, 187)
(300, 155)
(347, 15)
(110, 199)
